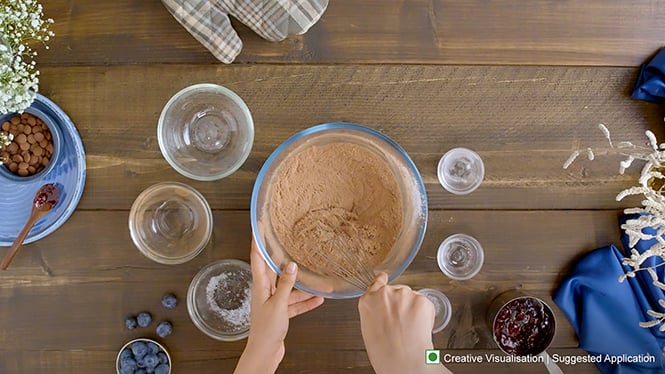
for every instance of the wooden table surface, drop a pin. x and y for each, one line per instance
(522, 82)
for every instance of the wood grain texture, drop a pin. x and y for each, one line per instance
(213, 360)
(542, 32)
(524, 83)
(110, 280)
(523, 121)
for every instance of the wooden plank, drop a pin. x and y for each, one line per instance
(523, 121)
(93, 252)
(216, 360)
(577, 32)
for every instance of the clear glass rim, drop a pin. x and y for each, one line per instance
(226, 92)
(477, 247)
(147, 250)
(452, 189)
(446, 302)
(326, 127)
(193, 311)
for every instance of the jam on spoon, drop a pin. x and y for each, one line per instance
(45, 199)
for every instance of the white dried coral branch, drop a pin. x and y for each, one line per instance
(571, 159)
(651, 215)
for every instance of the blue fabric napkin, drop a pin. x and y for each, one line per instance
(650, 85)
(605, 313)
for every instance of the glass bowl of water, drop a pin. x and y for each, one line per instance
(205, 132)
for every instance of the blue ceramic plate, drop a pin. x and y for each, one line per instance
(67, 171)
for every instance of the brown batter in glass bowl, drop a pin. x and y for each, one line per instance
(338, 186)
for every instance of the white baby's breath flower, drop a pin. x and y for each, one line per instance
(21, 22)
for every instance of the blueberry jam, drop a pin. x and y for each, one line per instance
(524, 327)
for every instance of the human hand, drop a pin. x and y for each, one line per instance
(273, 303)
(396, 324)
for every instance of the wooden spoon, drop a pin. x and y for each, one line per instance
(45, 199)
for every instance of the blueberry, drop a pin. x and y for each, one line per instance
(164, 329)
(163, 358)
(128, 364)
(130, 323)
(153, 348)
(140, 363)
(144, 319)
(162, 369)
(139, 349)
(127, 370)
(151, 361)
(126, 353)
(169, 301)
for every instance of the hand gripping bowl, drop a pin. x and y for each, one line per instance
(409, 181)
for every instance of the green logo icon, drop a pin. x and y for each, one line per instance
(432, 356)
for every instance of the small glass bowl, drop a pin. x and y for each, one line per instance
(461, 171)
(170, 223)
(460, 257)
(442, 307)
(205, 132)
(145, 340)
(219, 299)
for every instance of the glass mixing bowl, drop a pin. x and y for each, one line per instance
(205, 132)
(414, 205)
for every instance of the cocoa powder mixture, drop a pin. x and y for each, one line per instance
(335, 197)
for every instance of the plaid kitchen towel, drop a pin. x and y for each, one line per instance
(208, 20)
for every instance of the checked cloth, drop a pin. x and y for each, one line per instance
(275, 20)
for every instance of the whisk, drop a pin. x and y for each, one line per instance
(338, 245)
(348, 263)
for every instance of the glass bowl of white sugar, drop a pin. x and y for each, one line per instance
(219, 299)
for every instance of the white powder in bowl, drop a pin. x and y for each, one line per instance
(228, 295)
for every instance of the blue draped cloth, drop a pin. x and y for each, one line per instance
(606, 314)
(650, 85)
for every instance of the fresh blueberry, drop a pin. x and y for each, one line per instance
(127, 370)
(169, 301)
(128, 364)
(130, 323)
(144, 319)
(140, 363)
(151, 361)
(126, 353)
(139, 349)
(164, 329)
(163, 358)
(153, 348)
(150, 370)
(162, 369)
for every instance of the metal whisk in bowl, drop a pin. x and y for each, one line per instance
(337, 247)
(350, 265)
